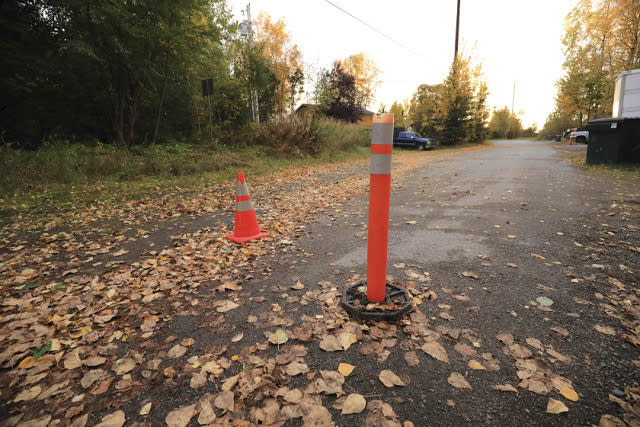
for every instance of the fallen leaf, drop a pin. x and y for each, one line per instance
(410, 222)
(346, 339)
(411, 358)
(605, 329)
(511, 236)
(458, 381)
(330, 343)
(535, 343)
(353, 404)
(390, 379)
(474, 364)
(27, 362)
(470, 274)
(198, 380)
(297, 286)
(278, 337)
(237, 337)
(556, 407)
(28, 394)
(180, 417)
(224, 401)
(207, 413)
(504, 387)
(345, 369)
(505, 338)
(435, 350)
(177, 351)
(225, 305)
(544, 301)
(146, 409)
(560, 330)
(611, 421)
(569, 394)
(293, 396)
(114, 419)
(122, 366)
(296, 368)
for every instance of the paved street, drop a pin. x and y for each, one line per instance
(523, 267)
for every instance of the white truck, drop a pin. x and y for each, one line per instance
(626, 95)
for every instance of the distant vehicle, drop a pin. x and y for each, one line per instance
(579, 135)
(413, 140)
(626, 96)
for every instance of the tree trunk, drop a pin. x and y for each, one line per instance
(164, 90)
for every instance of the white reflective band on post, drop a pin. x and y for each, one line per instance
(243, 206)
(380, 164)
(241, 189)
(382, 133)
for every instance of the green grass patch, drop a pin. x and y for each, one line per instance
(70, 176)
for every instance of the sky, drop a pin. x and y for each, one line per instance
(514, 40)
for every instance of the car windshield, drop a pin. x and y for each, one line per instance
(418, 135)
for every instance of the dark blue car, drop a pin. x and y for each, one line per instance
(413, 140)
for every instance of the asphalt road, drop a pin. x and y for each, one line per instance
(524, 269)
(528, 224)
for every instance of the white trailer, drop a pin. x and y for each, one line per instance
(626, 97)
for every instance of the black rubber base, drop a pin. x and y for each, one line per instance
(355, 303)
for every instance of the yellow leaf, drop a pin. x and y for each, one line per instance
(27, 363)
(474, 364)
(346, 339)
(345, 369)
(569, 393)
(81, 332)
(511, 236)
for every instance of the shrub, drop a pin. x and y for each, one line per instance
(293, 135)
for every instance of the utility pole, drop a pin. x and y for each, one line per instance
(513, 100)
(455, 52)
(255, 105)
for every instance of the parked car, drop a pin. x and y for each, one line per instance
(579, 135)
(413, 140)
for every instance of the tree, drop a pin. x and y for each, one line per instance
(458, 92)
(336, 93)
(400, 112)
(425, 110)
(284, 57)
(601, 40)
(366, 73)
(503, 124)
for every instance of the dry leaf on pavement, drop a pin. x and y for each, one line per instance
(435, 350)
(345, 369)
(458, 381)
(278, 337)
(330, 343)
(569, 394)
(390, 379)
(605, 329)
(180, 417)
(114, 419)
(556, 407)
(411, 358)
(353, 404)
(505, 387)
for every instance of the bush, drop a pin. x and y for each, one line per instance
(304, 135)
(293, 135)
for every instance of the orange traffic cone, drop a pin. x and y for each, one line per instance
(246, 224)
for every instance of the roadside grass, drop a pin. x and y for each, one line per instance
(65, 176)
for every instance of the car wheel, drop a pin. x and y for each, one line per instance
(581, 139)
(422, 147)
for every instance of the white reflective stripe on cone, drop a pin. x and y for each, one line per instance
(241, 189)
(380, 164)
(382, 133)
(243, 206)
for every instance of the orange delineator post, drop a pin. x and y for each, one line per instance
(379, 199)
(246, 224)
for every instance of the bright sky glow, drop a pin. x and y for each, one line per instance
(515, 40)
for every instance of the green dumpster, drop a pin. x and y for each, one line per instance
(614, 140)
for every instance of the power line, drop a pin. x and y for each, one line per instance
(363, 22)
